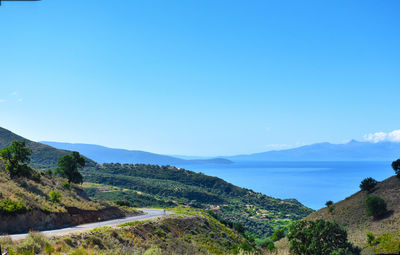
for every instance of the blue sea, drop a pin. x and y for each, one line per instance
(311, 183)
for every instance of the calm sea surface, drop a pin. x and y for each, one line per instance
(312, 183)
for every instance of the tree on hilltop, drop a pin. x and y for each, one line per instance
(69, 166)
(396, 167)
(15, 157)
(368, 184)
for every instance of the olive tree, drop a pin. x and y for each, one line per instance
(68, 166)
(15, 157)
(319, 237)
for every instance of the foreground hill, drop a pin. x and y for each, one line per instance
(353, 150)
(43, 156)
(351, 212)
(188, 233)
(168, 186)
(27, 204)
(103, 154)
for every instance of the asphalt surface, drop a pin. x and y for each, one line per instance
(148, 214)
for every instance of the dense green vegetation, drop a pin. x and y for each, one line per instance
(11, 207)
(258, 213)
(319, 237)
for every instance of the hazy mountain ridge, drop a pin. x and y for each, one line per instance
(353, 150)
(102, 154)
(43, 156)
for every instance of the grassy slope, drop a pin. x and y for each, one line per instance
(35, 194)
(351, 213)
(259, 213)
(196, 233)
(43, 156)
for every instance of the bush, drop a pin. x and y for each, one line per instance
(11, 207)
(370, 238)
(375, 206)
(66, 185)
(153, 251)
(55, 196)
(36, 176)
(33, 243)
(278, 235)
(123, 203)
(319, 237)
(49, 172)
(329, 203)
(266, 244)
(239, 227)
(368, 184)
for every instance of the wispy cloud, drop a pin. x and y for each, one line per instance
(3, 100)
(377, 137)
(20, 100)
(14, 93)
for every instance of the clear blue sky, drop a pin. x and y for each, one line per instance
(199, 77)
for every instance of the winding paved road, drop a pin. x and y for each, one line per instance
(149, 214)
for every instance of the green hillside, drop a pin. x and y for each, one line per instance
(43, 156)
(167, 185)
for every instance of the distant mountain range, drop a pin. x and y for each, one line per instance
(352, 150)
(103, 154)
(43, 156)
(46, 154)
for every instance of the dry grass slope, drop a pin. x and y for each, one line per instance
(351, 212)
(35, 194)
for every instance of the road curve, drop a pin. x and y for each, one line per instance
(148, 214)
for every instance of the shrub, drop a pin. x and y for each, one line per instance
(266, 244)
(370, 238)
(49, 172)
(55, 196)
(375, 206)
(123, 203)
(319, 237)
(246, 246)
(66, 185)
(329, 203)
(36, 177)
(368, 184)
(153, 251)
(11, 207)
(278, 235)
(239, 227)
(34, 243)
(330, 209)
